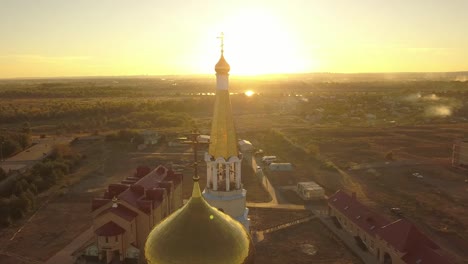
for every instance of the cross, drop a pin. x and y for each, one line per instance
(194, 142)
(221, 37)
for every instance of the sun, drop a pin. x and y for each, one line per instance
(249, 93)
(258, 42)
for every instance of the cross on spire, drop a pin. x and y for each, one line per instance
(221, 37)
(193, 136)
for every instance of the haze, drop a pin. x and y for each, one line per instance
(52, 38)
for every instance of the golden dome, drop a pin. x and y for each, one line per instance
(199, 234)
(222, 67)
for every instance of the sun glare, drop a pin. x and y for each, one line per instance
(249, 93)
(257, 42)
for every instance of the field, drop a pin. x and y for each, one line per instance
(287, 246)
(368, 137)
(436, 203)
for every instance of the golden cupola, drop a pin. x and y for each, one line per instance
(199, 234)
(222, 67)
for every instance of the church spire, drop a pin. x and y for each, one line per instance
(222, 67)
(223, 134)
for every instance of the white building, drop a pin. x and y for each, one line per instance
(310, 191)
(281, 167)
(245, 146)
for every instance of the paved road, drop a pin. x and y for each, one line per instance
(24, 160)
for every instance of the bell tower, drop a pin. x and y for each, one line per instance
(224, 180)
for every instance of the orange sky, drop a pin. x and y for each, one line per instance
(52, 38)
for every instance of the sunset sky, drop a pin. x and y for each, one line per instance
(45, 38)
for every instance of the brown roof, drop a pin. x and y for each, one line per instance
(138, 190)
(357, 212)
(425, 255)
(401, 234)
(121, 211)
(109, 229)
(141, 194)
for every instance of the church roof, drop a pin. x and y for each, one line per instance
(121, 211)
(144, 193)
(222, 67)
(109, 229)
(199, 234)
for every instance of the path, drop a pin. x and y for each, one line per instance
(65, 255)
(277, 206)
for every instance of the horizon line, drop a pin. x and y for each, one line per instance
(206, 74)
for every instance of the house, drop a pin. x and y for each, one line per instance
(310, 191)
(204, 139)
(280, 167)
(150, 137)
(126, 213)
(245, 146)
(396, 242)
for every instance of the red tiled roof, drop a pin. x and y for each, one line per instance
(357, 212)
(136, 195)
(425, 255)
(121, 211)
(403, 235)
(109, 229)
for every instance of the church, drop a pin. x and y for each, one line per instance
(142, 219)
(212, 227)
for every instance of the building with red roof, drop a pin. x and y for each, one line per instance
(396, 242)
(127, 212)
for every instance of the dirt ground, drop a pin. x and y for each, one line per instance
(66, 208)
(436, 203)
(286, 246)
(263, 218)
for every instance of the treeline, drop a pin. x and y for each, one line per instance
(22, 197)
(101, 88)
(103, 114)
(126, 135)
(13, 142)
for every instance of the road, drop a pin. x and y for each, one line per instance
(65, 255)
(22, 161)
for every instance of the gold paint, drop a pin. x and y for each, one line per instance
(223, 140)
(222, 67)
(199, 234)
